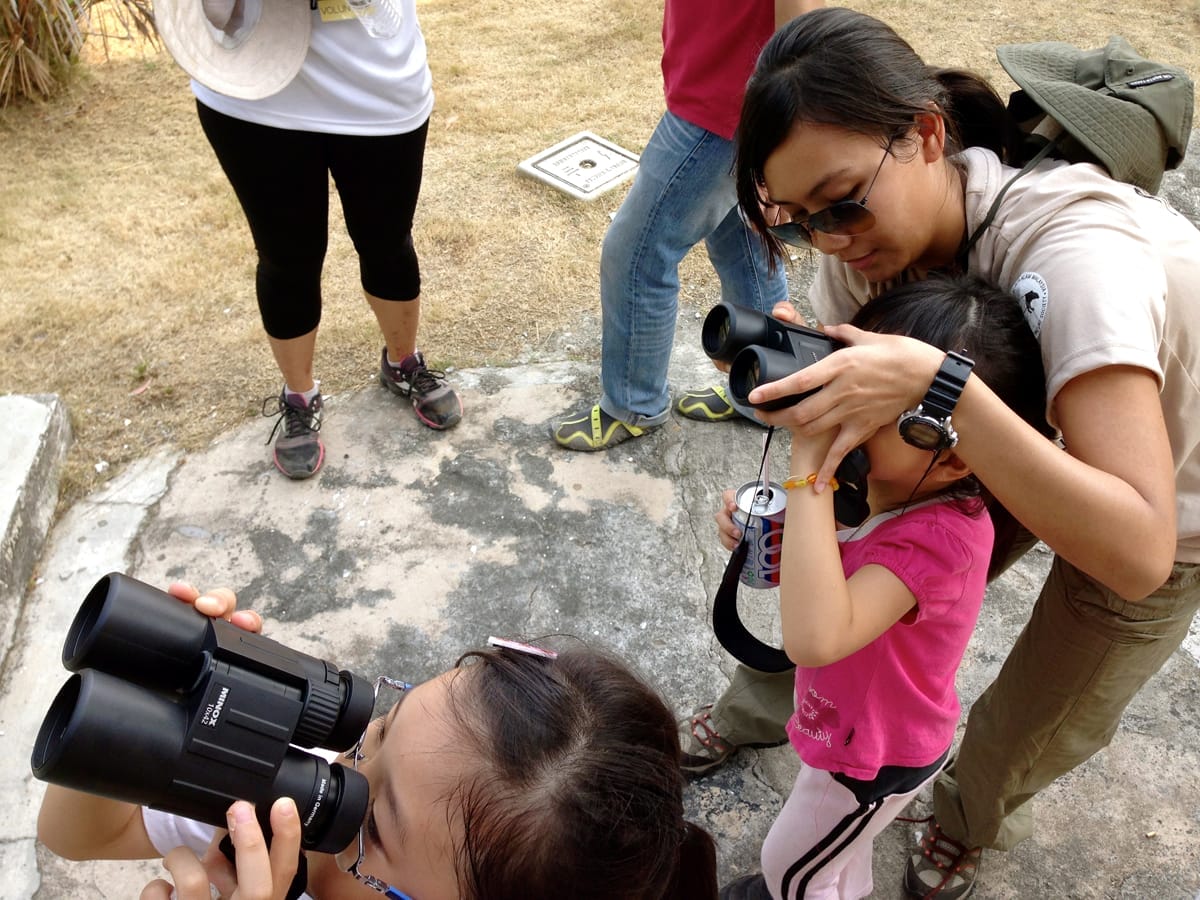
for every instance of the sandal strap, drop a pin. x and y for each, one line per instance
(710, 738)
(958, 856)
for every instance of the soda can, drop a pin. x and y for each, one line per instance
(760, 513)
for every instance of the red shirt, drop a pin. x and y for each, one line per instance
(709, 50)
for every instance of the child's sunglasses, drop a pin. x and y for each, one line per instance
(845, 217)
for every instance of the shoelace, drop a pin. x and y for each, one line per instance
(424, 380)
(293, 420)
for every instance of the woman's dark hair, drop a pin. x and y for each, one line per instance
(973, 317)
(835, 66)
(579, 792)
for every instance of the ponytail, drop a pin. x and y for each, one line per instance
(975, 114)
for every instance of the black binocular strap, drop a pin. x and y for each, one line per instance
(728, 627)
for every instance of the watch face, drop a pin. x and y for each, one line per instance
(922, 433)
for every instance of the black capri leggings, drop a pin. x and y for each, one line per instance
(281, 178)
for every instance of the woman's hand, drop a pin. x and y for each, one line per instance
(218, 603)
(261, 874)
(729, 532)
(864, 386)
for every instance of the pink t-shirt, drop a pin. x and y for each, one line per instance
(893, 702)
(709, 50)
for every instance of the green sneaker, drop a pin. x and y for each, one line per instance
(710, 404)
(594, 429)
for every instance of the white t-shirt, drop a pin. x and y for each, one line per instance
(168, 831)
(1106, 275)
(350, 83)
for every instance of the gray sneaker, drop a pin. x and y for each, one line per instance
(298, 451)
(433, 400)
(593, 429)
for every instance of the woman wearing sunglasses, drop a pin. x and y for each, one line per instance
(851, 145)
(520, 773)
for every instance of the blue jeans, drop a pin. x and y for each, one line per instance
(683, 194)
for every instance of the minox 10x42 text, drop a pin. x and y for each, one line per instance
(760, 349)
(181, 712)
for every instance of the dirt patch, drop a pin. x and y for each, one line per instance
(126, 269)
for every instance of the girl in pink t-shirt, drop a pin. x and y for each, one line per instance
(877, 617)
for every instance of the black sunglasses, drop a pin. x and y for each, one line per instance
(845, 217)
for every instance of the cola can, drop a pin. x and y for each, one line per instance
(760, 511)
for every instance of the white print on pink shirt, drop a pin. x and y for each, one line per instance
(810, 708)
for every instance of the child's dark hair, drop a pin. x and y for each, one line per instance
(973, 317)
(579, 792)
(835, 66)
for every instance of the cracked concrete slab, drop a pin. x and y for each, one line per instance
(412, 545)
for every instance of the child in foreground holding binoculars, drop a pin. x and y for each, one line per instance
(519, 773)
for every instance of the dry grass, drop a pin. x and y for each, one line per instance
(126, 270)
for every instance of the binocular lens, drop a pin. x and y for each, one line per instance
(728, 328)
(97, 717)
(148, 637)
(331, 799)
(758, 365)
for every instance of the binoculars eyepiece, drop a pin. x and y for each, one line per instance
(172, 709)
(760, 349)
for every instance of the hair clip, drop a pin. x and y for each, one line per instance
(521, 648)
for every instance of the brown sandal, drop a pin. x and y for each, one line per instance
(712, 750)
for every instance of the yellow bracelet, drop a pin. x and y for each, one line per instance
(793, 482)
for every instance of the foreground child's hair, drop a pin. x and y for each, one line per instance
(579, 792)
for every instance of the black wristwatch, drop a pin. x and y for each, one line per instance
(928, 426)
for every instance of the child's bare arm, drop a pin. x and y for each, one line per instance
(75, 825)
(825, 617)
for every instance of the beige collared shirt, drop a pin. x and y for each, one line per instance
(1106, 275)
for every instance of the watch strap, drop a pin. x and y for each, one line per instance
(947, 387)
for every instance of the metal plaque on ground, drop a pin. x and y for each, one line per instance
(585, 165)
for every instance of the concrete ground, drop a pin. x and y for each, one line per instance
(412, 545)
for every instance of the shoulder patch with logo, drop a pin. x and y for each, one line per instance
(1033, 295)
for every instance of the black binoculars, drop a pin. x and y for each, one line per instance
(184, 713)
(760, 349)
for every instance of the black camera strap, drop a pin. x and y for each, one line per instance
(850, 507)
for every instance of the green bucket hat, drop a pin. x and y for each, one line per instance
(1132, 114)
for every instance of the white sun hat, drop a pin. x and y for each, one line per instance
(248, 49)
